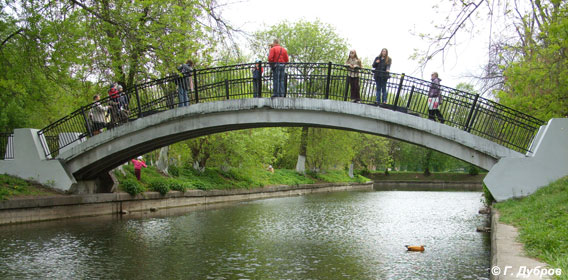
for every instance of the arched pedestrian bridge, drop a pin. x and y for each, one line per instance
(477, 130)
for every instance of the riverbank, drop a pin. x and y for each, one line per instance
(73, 206)
(542, 223)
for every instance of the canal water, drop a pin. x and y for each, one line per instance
(343, 235)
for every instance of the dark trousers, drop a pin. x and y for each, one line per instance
(137, 173)
(432, 114)
(354, 85)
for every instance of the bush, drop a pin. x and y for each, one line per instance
(473, 170)
(159, 185)
(132, 187)
(179, 185)
(173, 170)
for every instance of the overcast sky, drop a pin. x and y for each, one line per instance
(370, 26)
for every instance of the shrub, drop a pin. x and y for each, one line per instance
(160, 185)
(179, 185)
(473, 170)
(173, 170)
(132, 186)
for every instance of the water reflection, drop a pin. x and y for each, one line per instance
(347, 235)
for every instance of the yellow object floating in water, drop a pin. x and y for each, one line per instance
(415, 248)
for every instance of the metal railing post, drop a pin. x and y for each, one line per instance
(328, 81)
(410, 97)
(260, 80)
(227, 89)
(471, 116)
(87, 124)
(398, 91)
(195, 86)
(138, 103)
(346, 89)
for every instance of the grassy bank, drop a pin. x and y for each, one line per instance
(11, 187)
(542, 220)
(182, 179)
(419, 176)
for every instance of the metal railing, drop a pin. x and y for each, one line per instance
(6, 146)
(466, 111)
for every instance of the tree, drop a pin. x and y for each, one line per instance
(55, 55)
(526, 66)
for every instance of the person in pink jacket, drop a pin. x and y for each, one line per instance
(138, 164)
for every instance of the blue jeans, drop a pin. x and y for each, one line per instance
(279, 75)
(381, 90)
(183, 98)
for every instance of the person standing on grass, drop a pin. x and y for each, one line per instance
(138, 164)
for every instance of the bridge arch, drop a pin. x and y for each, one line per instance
(105, 151)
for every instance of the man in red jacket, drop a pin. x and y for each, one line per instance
(278, 57)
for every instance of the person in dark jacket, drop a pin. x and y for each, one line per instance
(185, 83)
(256, 78)
(382, 64)
(435, 99)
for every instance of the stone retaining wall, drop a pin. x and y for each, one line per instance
(61, 207)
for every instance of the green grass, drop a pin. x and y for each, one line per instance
(419, 176)
(11, 187)
(542, 220)
(185, 178)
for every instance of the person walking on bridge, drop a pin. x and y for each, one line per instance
(435, 99)
(278, 57)
(138, 164)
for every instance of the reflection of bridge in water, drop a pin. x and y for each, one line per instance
(477, 130)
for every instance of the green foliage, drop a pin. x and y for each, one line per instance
(52, 51)
(473, 170)
(337, 176)
(159, 185)
(542, 219)
(536, 83)
(173, 170)
(131, 186)
(13, 187)
(488, 196)
(305, 41)
(180, 185)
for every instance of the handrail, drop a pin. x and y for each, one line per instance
(463, 110)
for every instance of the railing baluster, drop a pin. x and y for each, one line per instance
(398, 91)
(195, 85)
(469, 116)
(328, 81)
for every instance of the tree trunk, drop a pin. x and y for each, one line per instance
(301, 164)
(163, 162)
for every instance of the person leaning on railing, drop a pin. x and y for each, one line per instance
(185, 83)
(278, 57)
(354, 64)
(382, 64)
(97, 115)
(114, 108)
(256, 78)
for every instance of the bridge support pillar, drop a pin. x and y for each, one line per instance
(548, 162)
(31, 163)
(105, 183)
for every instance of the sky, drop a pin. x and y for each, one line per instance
(370, 26)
